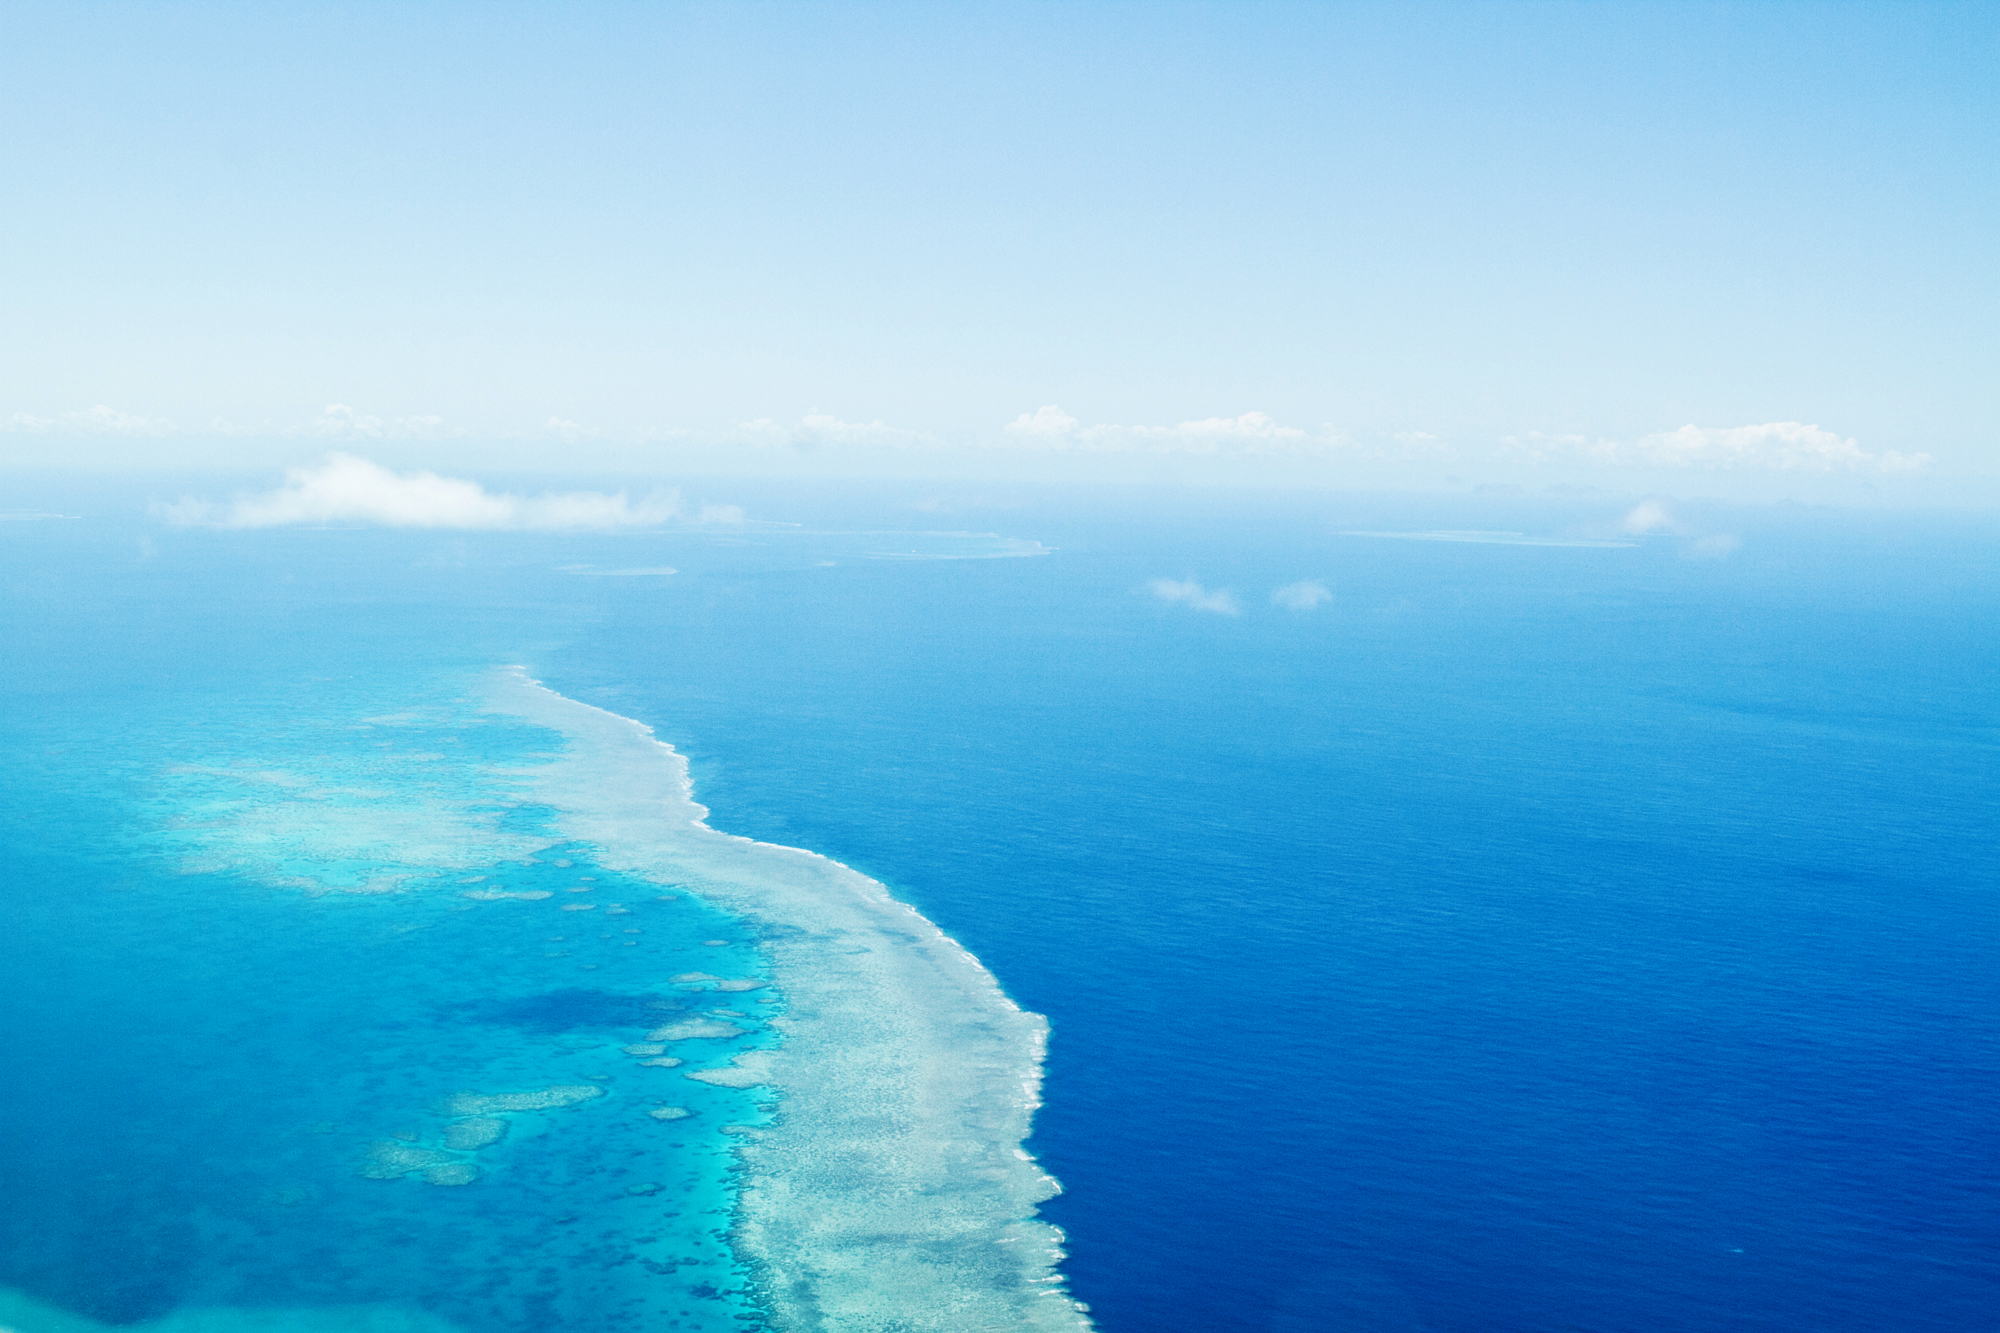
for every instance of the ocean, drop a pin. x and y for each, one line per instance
(1518, 924)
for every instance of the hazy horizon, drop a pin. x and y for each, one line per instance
(1148, 667)
(1730, 250)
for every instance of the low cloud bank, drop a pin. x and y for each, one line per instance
(1252, 433)
(99, 420)
(336, 422)
(1189, 593)
(345, 489)
(1774, 446)
(818, 428)
(1782, 448)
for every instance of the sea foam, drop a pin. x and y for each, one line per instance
(892, 1190)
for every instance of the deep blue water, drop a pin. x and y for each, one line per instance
(1529, 938)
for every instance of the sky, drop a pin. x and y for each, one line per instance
(1704, 247)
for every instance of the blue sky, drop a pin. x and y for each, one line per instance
(1409, 241)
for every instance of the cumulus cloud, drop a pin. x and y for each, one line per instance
(1774, 446)
(1301, 596)
(345, 489)
(1189, 593)
(1252, 433)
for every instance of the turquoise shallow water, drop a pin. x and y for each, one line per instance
(335, 1019)
(258, 970)
(1529, 937)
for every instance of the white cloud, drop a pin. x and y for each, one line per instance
(98, 420)
(1249, 426)
(1190, 593)
(1252, 433)
(1302, 596)
(336, 422)
(1712, 547)
(817, 428)
(346, 489)
(340, 422)
(1050, 420)
(1775, 446)
(1649, 516)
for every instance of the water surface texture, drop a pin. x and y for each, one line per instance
(1563, 932)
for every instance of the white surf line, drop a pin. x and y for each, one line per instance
(893, 1191)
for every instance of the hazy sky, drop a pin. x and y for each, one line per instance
(1477, 239)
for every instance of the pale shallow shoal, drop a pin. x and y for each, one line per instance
(893, 1192)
